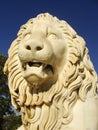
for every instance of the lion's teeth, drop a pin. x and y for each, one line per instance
(34, 64)
(37, 64)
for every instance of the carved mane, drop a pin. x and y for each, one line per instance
(77, 81)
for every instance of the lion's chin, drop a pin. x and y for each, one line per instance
(34, 81)
(37, 83)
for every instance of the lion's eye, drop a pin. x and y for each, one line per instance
(52, 36)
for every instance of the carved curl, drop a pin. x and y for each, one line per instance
(77, 81)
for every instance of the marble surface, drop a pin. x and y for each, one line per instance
(52, 80)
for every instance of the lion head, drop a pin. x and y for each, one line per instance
(48, 69)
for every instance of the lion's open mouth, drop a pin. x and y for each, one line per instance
(45, 67)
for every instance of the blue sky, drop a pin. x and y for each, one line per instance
(82, 15)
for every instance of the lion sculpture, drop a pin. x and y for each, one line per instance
(51, 78)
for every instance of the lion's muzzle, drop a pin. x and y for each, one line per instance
(36, 57)
(36, 48)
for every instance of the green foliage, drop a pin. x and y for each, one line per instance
(11, 122)
(5, 103)
(8, 118)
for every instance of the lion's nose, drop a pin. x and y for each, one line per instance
(34, 46)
